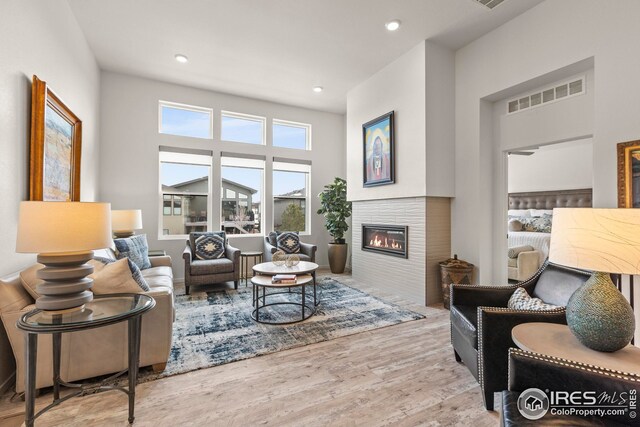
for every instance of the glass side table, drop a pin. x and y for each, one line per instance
(104, 310)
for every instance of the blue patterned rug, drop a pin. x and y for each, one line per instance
(216, 328)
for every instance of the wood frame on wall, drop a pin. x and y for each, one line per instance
(41, 97)
(625, 186)
(392, 177)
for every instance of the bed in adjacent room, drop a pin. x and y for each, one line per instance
(530, 222)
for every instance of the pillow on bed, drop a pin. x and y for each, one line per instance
(515, 224)
(518, 213)
(540, 212)
(540, 224)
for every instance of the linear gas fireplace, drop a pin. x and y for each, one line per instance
(387, 239)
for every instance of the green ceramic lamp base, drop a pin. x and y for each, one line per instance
(600, 316)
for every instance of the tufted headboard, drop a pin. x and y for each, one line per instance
(551, 199)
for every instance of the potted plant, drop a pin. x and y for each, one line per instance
(336, 209)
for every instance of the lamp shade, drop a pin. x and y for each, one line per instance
(603, 240)
(61, 227)
(126, 220)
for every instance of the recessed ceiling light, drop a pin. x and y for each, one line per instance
(392, 25)
(318, 89)
(181, 58)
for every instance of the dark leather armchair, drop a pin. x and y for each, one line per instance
(532, 370)
(307, 251)
(481, 323)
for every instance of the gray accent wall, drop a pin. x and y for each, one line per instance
(130, 144)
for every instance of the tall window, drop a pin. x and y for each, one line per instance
(185, 193)
(185, 120)
(245, 128)
(291, 196)
(291, 135)
(241, 194)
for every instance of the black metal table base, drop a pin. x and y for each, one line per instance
(307, 310)
(31, 351)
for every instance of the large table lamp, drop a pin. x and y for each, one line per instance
(63, 234)
(603, 241)
(125, 222)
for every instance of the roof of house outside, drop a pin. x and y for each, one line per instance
(179, 187)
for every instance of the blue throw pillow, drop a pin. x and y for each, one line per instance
(210, 247)
(289, 242)
(135, 248)
(135, 271)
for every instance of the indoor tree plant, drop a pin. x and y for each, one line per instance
(336, 209)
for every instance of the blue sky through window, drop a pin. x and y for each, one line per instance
(289, 136)
(176, 173)
(177, 121)
(241, 130)
(285, 182)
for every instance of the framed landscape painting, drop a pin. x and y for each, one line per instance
(56, 147)
(378, 152)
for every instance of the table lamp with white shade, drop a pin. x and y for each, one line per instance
(603, 241)
(63, 234)
(125, 222)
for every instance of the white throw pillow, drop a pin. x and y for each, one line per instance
(520, 300)
(114, 278)
(540, 212)
(524, 213)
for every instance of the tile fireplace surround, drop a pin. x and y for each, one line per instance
(416, 277)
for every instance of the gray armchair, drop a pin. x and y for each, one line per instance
(307, 251)
(207, 271)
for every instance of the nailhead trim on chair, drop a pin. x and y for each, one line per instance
(573, 364)
(502, 310)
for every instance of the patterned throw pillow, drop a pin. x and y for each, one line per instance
(193, 236)
(136, 274)
(210, 247)
(538, 224)
(135, 248)
(288, 242)
(520, 300)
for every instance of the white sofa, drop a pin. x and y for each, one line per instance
(93, 352)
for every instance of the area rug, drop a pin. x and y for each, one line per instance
(216, 328)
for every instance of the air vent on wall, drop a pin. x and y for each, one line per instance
(556, 93)
(490, 3)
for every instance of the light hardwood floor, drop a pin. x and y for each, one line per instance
(400, 375)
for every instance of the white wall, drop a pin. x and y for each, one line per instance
(548, 37)
(564, 166)
(129, 156)
(400, 87)
(42, 38)
(419, 87)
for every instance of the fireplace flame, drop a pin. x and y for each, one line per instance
(377, 242)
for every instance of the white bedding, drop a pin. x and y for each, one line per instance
(539, 241)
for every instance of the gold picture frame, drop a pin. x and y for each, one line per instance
(629, 174)
(56, 147)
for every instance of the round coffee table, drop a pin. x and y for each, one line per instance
(303, 267)
(264, 282)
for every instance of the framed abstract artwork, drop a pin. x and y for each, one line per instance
(56, 147)
(378, 151)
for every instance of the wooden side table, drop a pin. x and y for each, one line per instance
(557, 340)
(256, 257)
(157, 252)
